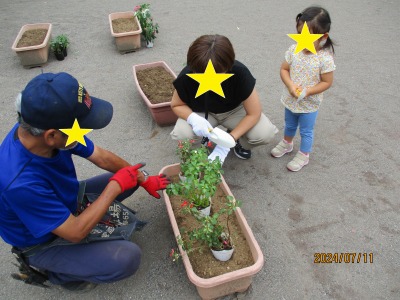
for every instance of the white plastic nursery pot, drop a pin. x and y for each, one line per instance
(205, 211)
(228, 283)
(161, 112)
(125, 41)
(33, 56)
(181, 177)
(223, 255)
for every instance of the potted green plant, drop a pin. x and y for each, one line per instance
(59, 46)
(236, 278)
(149, 28)
(183, 152)
(202, 178)
(211, 233)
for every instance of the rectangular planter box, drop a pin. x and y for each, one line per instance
(33, 56)
(125, 41)
(161, 112)
(228, 283)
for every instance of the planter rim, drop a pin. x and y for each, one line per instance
(138, 67)
(230, 276)
(26, 27)
(125, 14)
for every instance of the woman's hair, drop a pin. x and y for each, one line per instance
(216, 47)
(318, 20)
(32, 130)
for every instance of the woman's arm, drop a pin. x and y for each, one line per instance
(252, 106)
(180, 108)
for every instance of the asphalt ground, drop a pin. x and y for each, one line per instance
(344, 201)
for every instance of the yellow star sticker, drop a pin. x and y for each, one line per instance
(305, 40)
(210, 81)
(76, 133)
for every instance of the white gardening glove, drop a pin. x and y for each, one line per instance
(219, 151)
(200, 126)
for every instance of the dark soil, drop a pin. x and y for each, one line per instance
(156, 84)
(124, 25)
(203, 262)
(32, 37)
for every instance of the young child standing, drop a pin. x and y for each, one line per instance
(312, 72)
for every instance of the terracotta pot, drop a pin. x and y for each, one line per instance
(125, 41)
(161, 112)
(33, 56)
(228, 283)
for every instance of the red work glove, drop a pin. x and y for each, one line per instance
(127, 177)
(154, 184)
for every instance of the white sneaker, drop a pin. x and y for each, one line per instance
(298, 162)
(281, 149)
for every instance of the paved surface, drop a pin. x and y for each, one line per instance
(345, 200)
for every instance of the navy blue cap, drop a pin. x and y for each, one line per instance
(53, 101)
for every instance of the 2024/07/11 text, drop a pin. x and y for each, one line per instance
(347, 257)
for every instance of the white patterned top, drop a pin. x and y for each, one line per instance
(306, 70)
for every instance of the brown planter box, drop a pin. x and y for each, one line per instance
(228, 283)
(161, 112)
(125, 41)
(33, 56)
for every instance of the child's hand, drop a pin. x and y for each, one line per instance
(295, 90)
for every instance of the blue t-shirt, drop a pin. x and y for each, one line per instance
(37, 194)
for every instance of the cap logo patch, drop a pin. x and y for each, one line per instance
(88, 100)
(80, 92)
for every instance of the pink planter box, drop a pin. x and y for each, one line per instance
(33, 56)
(125, 41)
(228, 283)
(161, 112)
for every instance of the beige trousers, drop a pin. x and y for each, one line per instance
(262, 133)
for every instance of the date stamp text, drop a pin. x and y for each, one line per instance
(346, 257)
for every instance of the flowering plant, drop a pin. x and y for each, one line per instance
(210, 233)
(183, 150)
(149, 29)
(202, 178)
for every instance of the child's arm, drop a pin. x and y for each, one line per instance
(285, 76)
(326, 82)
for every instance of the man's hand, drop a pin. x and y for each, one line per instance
(154, 184)
(127, 177)
(200, 126)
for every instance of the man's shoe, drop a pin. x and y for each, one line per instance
(281, 149)
(298, 162)
(79, 286)
(241, 152)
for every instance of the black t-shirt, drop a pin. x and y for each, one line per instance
(237, 88)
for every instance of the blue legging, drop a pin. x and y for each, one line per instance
(306, 122)
(98, 262)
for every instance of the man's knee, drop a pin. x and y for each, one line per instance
(129, 259)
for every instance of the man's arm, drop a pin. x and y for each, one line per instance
(74, 229)
(107, 160)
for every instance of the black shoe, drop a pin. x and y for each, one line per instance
(79, 286)
(241, 152)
